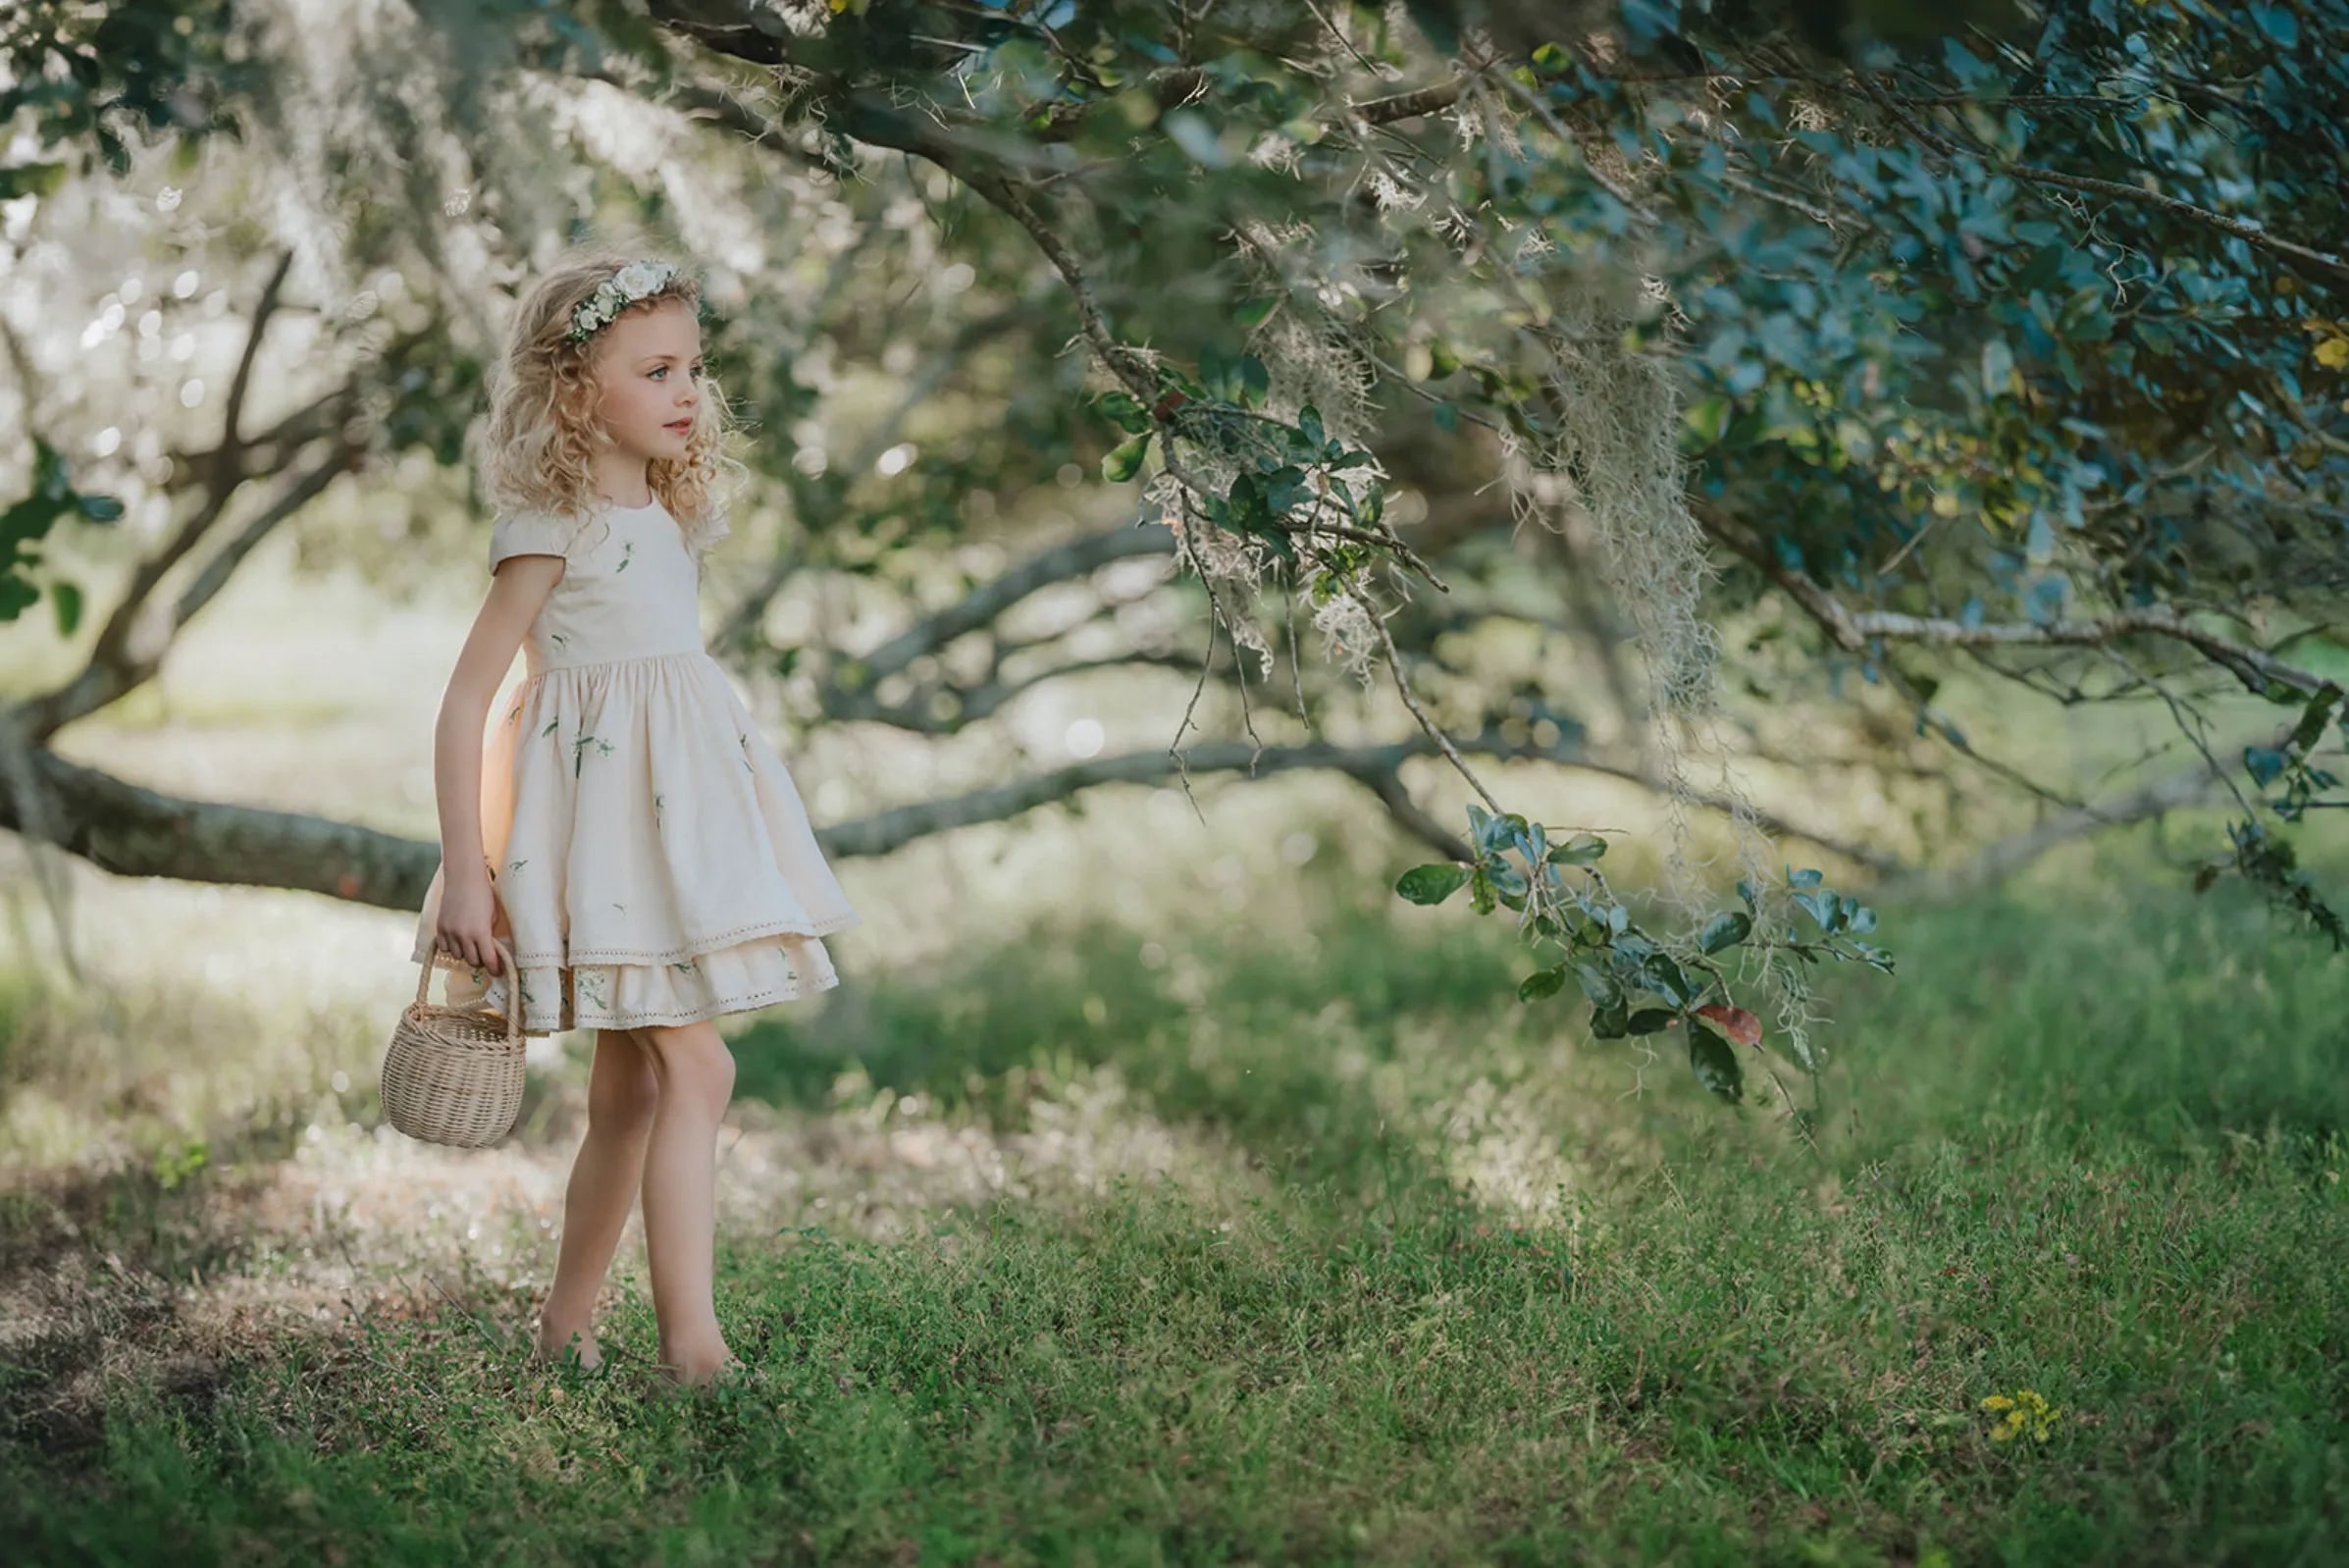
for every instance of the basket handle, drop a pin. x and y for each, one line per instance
(513, 1019)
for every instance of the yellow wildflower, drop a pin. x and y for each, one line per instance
(2023, 1411)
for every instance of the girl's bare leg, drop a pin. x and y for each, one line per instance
(697, 1079)
(623, 1093)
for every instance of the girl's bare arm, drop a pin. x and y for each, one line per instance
(517, 593)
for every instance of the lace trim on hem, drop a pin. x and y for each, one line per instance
(638, 1020)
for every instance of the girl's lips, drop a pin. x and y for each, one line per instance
(678, 424)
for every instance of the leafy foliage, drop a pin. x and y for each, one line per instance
(1595, 944)
(1999, 330)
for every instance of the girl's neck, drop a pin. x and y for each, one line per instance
(623, 474)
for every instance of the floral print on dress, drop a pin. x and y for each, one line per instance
(579, 749)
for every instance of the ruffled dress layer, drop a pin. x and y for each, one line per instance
(650, 857)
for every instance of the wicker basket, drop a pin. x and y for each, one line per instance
(453, 1075)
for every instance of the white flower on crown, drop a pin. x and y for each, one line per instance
(636, 281)
(639, 278)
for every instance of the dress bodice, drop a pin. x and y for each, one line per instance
(631, 586)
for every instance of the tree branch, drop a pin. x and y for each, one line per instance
(1852, 630)
(120, 665)
(2193, 787)
(1412, 817)
(1057, 563)
(132, 832)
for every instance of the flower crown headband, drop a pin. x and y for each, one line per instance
(639, 279)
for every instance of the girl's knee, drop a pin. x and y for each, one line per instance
(690, 1054)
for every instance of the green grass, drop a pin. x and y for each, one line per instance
(1480, 1307)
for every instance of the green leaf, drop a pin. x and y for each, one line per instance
(1481, 893)
(1707, 419)
(1598, 985)
(1651, 1021)
(2315, 717)
(1582, 850)
(1431, 884)
(1669, 977)
(1716, 1063)
(66, 599)
(1254, 380)
(1725, 930)
(32, 179)
(1126, 461)
(1309, 419)
(1541, 983)
(1610, 1023)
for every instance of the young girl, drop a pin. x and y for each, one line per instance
(626, 830)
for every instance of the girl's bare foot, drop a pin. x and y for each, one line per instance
(578, 1343)
(668, 1384)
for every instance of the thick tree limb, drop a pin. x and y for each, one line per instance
(132, 832)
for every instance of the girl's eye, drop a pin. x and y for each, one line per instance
(662, 370)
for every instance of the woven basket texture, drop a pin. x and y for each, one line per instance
(453, 1076)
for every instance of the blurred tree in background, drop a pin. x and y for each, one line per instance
(1599, 383)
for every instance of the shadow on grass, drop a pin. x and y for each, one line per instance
(1273, 1040)
(2137, 1008)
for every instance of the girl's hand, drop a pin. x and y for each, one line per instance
(467, 908)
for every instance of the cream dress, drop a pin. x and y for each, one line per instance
(649, 856)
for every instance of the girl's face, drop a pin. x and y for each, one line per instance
(650, 372)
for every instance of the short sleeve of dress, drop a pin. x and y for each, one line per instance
(528, 534)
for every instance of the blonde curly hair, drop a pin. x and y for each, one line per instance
(543, 433)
